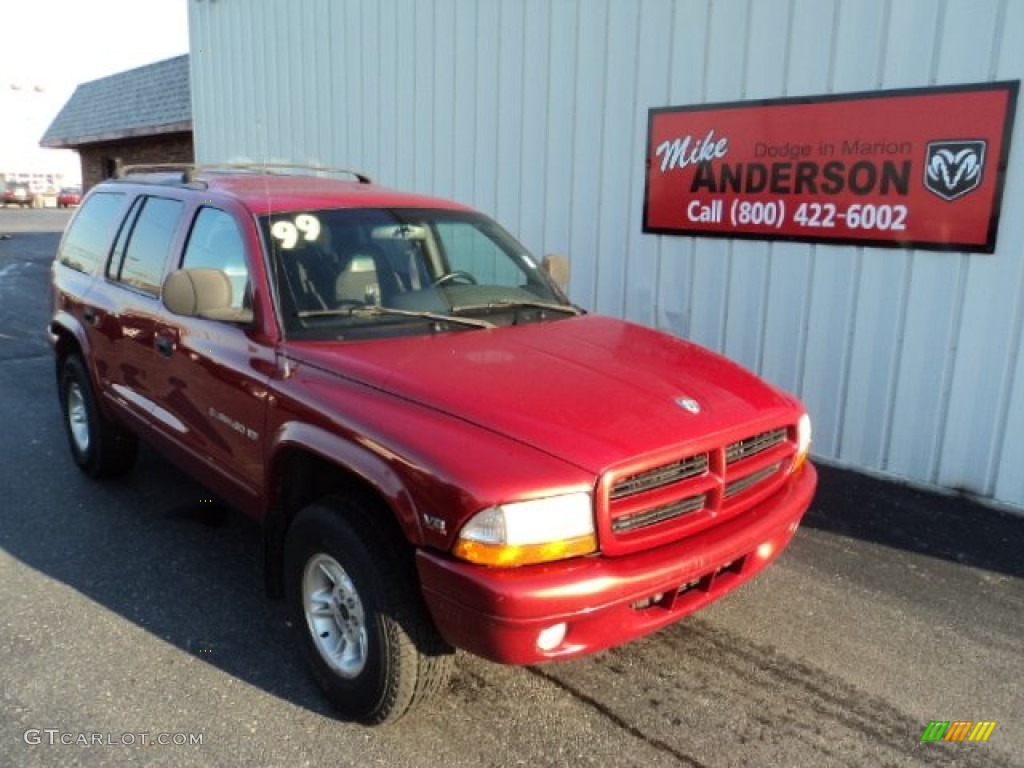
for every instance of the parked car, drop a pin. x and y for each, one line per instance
(443, 450)
(69, 197)
(18, 193)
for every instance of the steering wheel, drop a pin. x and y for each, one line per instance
(458, 275)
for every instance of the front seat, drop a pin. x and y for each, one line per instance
(358, 281)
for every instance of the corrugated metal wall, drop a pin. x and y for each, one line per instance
(911, 362)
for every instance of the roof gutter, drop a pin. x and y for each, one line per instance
(141, 132)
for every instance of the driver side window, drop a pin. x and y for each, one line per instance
(216, 243)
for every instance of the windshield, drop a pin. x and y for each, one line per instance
(367, 273)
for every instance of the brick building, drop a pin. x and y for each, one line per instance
(143, 115)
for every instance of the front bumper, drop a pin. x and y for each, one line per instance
(498, 613)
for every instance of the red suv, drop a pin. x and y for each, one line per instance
(443, 450)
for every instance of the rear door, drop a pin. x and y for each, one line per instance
(129, 350)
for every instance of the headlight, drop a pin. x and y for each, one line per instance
(803, 441)
(525, 532)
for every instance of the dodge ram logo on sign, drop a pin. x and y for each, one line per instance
(954, 168)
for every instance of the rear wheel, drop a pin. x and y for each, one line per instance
(351, 586)
(99, 447)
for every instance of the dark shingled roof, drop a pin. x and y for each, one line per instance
(150, 100)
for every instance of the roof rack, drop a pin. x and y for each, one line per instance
(122, 171)
(190, 171)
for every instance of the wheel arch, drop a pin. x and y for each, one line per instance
(307, 464)
(67, 337)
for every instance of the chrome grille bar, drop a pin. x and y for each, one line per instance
(661, 476)
(738, 486)
(744, 449)
(658, 514)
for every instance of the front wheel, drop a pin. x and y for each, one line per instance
(351, 586)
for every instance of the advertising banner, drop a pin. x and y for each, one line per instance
(919, 168)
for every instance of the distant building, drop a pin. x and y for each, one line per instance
(143, 115)
(27, 108)
(40, 182)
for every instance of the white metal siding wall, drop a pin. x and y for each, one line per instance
(535, 111)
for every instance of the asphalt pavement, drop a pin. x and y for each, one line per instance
(132, 613)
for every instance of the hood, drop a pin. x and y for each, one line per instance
(589, 390)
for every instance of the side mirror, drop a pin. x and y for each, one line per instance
(557, 267)
(202, 292)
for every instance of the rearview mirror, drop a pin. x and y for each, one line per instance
(399, 232)
(557, 267)
(202, 292)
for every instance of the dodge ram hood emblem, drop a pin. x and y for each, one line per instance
(688, 404)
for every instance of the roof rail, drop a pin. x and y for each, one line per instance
(260, 167)
(189, 171)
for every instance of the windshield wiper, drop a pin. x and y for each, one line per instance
(373, 310)
(569, 309)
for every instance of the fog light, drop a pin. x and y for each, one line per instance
(552, 637)
(765, 550)
(647, 602)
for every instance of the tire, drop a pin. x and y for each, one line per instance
(99, 447)
(370, 643)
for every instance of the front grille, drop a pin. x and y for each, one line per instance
(744, 449)
(739, 486)
(660, 476)
(658, 514)
(682, 496)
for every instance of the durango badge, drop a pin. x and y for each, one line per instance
(953, 168)
(688, 404)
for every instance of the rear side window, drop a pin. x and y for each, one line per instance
(149, 244)
(88, 239)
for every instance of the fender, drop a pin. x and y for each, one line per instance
(68, 323)
(367, 461)
(65, 323)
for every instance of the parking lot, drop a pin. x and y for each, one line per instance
(136, 607)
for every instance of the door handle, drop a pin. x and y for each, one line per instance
(165, 345)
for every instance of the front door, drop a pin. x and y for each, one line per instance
(214, 373)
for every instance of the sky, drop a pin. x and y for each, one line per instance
(47, 47)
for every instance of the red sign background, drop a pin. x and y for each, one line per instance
(916, 168)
